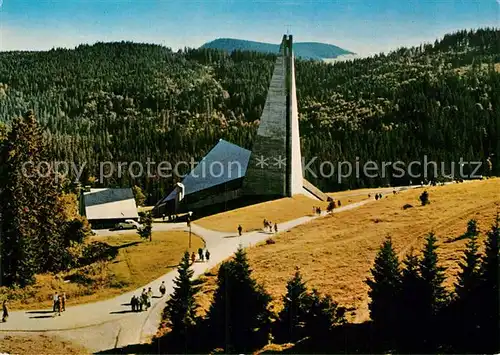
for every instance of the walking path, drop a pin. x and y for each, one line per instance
(110, 324)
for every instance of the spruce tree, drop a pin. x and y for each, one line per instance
(296, 304)
(434, 294)
(323, 314)
(410, 304)
(238, 317)
(181, 307)
(468, 277)
(385, 287)
(488, 298)
(146, 231)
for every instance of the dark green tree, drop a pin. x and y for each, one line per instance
(385, 287)
(33, 221)
(469, 275)
(181, 307)
(146, 231)
(239, 316)
(434, 295)
(323, 314)
(296, 304)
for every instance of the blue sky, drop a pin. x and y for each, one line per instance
(363, 26)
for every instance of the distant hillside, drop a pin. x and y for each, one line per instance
(304, 50)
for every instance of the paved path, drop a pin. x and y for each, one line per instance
(109, 324)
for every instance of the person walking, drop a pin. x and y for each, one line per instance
(58, 305)
(163, 288)
(144, 299)
(207, 255)
(133, 303)
(240, 229)
(275, 227)
(200, 254)
(150, 297)
(63, 301)
(5, 311)
(193, 258)
(54, 300)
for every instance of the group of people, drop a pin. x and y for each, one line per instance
(202, 255)
(59, 303)
(268, 225)
(316, 210)
(144, 301)
(378, 196)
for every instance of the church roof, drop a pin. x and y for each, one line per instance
(225, 162)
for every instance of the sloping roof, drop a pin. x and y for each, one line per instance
(225, 162)
(110, 204)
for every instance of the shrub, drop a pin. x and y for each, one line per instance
(424, 198)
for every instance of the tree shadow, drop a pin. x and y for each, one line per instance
(122, 312)
(132, 349)
(131, 244)
(39, 312)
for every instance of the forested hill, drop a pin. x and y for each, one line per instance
(304, 50)
(124, 102)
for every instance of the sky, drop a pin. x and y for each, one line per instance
(362, 26)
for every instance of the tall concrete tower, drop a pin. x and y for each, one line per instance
(275, 166)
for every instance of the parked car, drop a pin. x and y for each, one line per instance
(128, 224)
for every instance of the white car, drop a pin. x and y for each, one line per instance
(134, 223)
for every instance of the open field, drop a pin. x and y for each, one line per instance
(281, 210)
(37, 344)
(335, 253)
(137, 263)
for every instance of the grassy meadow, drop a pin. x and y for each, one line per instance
(335, 253)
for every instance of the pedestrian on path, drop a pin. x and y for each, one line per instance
(58, 306)
(150, 296)
(200, 254)
(144, 299)
(163, 289)
(54, 300)
(63, 302)
(5, 311)
(275, 227)
(207, 255)
(193, 258)
(240, 229)
(133, 303)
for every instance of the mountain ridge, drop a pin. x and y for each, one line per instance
(304, 50)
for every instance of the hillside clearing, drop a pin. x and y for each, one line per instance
(278, 211)
(335, 253)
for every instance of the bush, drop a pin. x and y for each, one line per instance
(270, 241)
(97, 251)
(424, 198)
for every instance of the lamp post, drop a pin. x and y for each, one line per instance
(189, 225)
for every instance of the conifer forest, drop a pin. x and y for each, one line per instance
(124, 102)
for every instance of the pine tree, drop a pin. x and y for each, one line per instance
(33, 219)
(146, 231)
(323, 314)
(385, 287)
(434, 294)
(410, 304)
(181, 307)
(238, 317)
(296, 304)
(468, 277)
(488, 297)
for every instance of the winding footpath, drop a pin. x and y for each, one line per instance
(110, 324)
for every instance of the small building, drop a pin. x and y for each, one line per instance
(106, 207)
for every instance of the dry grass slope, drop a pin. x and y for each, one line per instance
(335, 253)
(38, 344)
